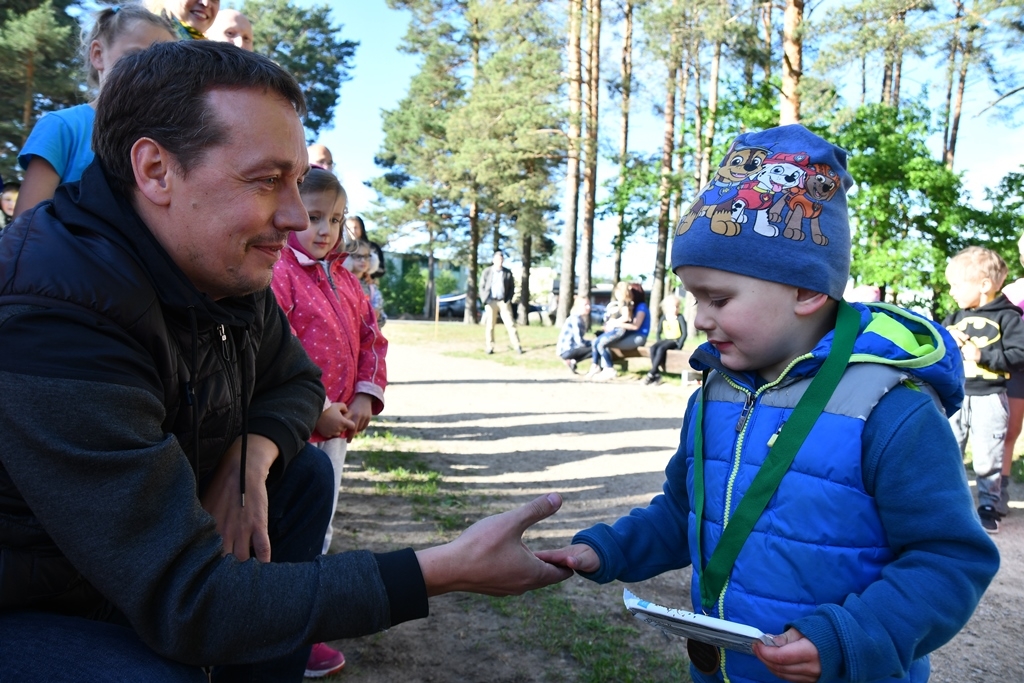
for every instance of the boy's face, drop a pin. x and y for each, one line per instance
(752, 323)
(966, 288)
(7, 201)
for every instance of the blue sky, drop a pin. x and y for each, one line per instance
(381, 76)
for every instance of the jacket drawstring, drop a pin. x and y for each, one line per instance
(190, 389)
(244, 360)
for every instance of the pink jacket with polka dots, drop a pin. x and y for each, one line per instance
(333, 319)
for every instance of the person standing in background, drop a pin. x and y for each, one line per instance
(320, 156)
(496, 289)
(231, 26)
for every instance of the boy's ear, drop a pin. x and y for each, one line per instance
(154, 176)
(809, 302)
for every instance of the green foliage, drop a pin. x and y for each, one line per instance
(404, 291)
(635, 198)
(38, 70)
(305, 41)
(908, 214)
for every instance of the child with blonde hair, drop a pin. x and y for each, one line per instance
(989, 331)
(60, 145)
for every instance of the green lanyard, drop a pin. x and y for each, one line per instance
(780, 457)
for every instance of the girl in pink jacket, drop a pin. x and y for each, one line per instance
(333, 319)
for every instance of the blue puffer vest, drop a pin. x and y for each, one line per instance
(820, 537)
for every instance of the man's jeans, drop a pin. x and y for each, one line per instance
(36, 646)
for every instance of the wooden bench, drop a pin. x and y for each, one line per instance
(676, 362)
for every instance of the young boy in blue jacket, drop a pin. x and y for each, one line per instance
(863, 549)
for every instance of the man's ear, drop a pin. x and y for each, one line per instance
(154, 175)
(809, 302)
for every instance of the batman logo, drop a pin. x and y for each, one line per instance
(980, 331)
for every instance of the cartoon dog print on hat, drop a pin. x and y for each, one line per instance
(716, 197)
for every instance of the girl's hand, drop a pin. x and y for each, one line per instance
(359, 413)
(334, 422)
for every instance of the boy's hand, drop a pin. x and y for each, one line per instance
(579, 558)
(334, 422)
(796, 658)
(360, 410)
(970, 351)
(958, 336)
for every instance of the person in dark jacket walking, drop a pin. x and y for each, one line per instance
(160, 509)
(496, 290)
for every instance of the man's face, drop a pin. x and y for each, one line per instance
(321, 156)
(228, 220)
(199, 14)
(232, 27)
(498, 260)
(749, 321)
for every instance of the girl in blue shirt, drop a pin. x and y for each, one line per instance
(60, 145)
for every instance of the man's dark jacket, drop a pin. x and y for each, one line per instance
(506, 278)
(113, 369)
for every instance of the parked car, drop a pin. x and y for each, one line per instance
(454, 306)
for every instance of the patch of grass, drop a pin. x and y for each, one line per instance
(1017, 470)
(405, 474)
(603, 645)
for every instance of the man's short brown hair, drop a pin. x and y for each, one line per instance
(160, 93)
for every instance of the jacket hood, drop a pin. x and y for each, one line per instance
(90, 205)
(888, 335)
(1000, 303)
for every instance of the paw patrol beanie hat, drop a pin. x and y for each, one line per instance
(775, 210)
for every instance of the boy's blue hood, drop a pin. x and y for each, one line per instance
(888, 335)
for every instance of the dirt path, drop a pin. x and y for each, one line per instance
(501, 435)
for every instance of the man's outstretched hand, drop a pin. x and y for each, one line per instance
(490, 556)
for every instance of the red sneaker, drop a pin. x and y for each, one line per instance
(324, 661)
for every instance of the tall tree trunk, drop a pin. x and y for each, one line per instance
(524, 282)
(958, 103)
(698, 115)
(496, 233)
(26, 116)
(470, 316)
(626, 79)
(665, 195)
(430, 296)
(863, 79)
(897, 58)
(954, 50)
(590, 170)
(766, 24)
(792, 62)
(680, 195)
(572, 175)
(886, 97)
(709, 132)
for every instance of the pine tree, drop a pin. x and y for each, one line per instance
(39, 70)
(307, 43)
